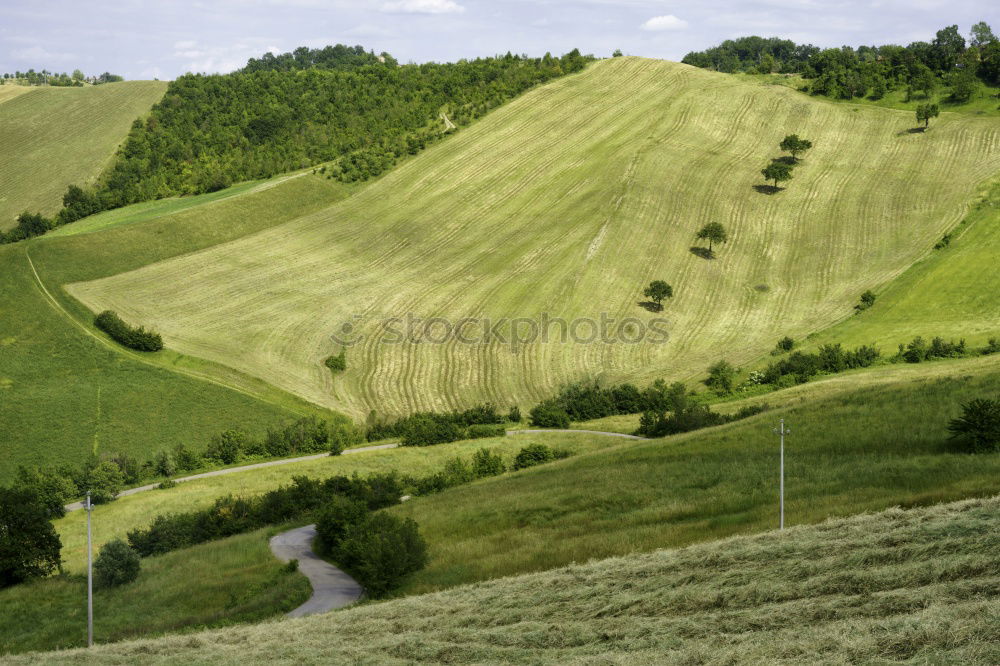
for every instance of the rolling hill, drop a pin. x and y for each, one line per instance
(56, 137)
(566, 203)
(916, 585)
(67, 391)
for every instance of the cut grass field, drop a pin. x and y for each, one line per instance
(953, 292)
(568, 201)
(918, 585)
(66, 390)
(56, 137)
(213, 584)
(860, 443)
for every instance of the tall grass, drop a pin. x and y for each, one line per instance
(852, 451)
(219, 583)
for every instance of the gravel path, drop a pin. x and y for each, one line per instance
(332, 588)
(232, 470)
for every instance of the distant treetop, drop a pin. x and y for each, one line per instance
(328, 57)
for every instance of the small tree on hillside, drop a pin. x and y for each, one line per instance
(979, 426)
(29, 545)
(721, 378)
(795, 145)
(713, 232)
(927, 111)
(778, 172)
(657, 291)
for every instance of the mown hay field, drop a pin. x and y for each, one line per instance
(56, 137)
(67, 391)
(914, 586)
(567, 202)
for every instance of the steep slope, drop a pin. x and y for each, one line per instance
(67, 391)
(921, 585)
(566, 203)
(953, 293)
(56, 137)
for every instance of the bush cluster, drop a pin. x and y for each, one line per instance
(428, 428)
(234, 515)
(134, 338)
(799, 367)
(918, 350)
(679, 414)
(588, 400)
(106, 477)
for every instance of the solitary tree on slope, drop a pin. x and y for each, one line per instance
(795, 145)
(713, 232)
(778, 172)
(657, 291)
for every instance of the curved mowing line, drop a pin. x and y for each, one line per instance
(57, 306)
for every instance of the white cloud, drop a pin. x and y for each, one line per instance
(423, 7)
(185, 45)
(666, 22)
(40, 56)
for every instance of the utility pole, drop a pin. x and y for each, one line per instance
(782, 431)
(90, 577)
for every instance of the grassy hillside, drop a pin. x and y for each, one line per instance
(56, 137)
(128, 513)
(567, 202)
(66, 390)
(918, 586)
(876, 444)
(952, 292)
(212, 584)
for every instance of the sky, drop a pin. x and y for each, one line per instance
(165, 38)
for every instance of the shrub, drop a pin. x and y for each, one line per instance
(867, 300)
(163, 464)
(382, 551)
(52, 489)
(549, 415)
(291, 566)
(478, 415)
(721, 378)
(481, 430)
(186, 459)
(514, 416)
(343, 434)
(227, 446)
(785, 344)
(167, 484)
(337, 363)
(486, 463)
(134, 338)
(104, 482)
(978, 429)
(334, 520)
(915, 352)
(941, 349)
(116, 564)
(29, 545)
(992, 347)
(306, 435)
(427, 428)
(531, 455)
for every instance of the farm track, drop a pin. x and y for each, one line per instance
(567, 201)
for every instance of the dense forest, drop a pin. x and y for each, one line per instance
(845, 73)
(341, 106)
